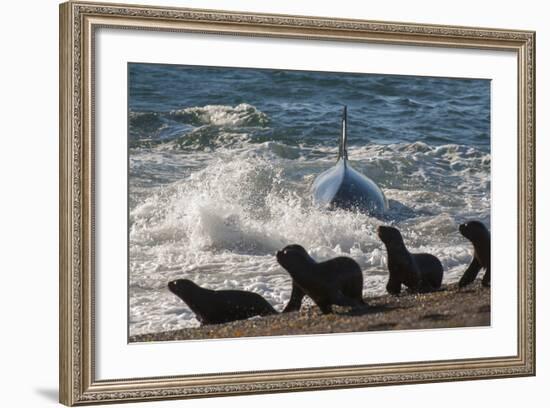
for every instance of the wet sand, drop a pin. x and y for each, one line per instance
(449, 307)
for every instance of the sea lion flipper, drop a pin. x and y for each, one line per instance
(393, 286)
(267, 310)
(426, 287)
(487, 278)
(295, 301)
(326, 308)
(342, 300)
(470, 274)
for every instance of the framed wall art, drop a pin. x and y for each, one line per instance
(256, 203)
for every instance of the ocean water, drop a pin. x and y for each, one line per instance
(222, 162)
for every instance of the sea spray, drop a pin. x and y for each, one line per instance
(221, 162)
(220, 226)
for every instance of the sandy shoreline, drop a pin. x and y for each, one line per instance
(450, 307)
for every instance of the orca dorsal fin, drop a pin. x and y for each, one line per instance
(342, 150)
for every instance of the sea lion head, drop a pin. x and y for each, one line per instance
(390, 235)
(183, 288)
(293, 256)
(473, 230)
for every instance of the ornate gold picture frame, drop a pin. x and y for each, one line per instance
(79, 22)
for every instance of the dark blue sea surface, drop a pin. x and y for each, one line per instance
(304, 107)
(222, 161)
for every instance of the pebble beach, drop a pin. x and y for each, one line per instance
(446, 308)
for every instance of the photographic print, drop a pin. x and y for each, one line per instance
(276, 202)
(320, 183)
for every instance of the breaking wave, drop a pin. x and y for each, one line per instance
(221, 224)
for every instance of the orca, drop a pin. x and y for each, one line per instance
(343, 187)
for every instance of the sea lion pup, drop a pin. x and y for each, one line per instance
(419, 272)
(338, 281)
(480, 237)
(220, 306)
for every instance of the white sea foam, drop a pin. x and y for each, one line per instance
(222, 115)
(219, 219)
